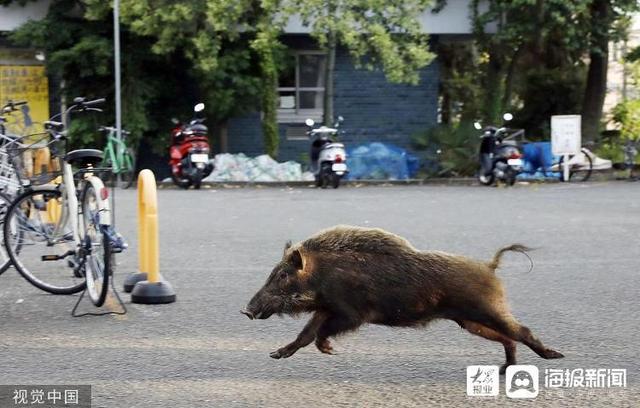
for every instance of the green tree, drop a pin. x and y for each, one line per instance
(214, 37)
(603, 27)
(520, 35)
(80, 58)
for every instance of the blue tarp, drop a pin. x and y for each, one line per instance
(538, 159)
(379, 161)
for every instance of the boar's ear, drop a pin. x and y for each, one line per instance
(287, 245)
(296, 259)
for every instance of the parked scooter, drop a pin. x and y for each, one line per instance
(189, 151)
(500, 157)
(328, 158)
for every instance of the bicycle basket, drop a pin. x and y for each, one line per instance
(9, 181)
(35, 164)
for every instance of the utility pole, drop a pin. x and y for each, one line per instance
(116, 45)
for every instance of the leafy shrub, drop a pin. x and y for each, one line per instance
(448, 150)
(626, 117)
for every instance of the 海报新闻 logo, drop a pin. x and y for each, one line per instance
(522, 381)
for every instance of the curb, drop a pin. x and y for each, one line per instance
(462, 181)
(349, 183)
(441, 181)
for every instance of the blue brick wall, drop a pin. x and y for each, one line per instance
(374, 111)
(245, 135)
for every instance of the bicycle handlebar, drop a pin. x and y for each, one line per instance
(11, 106)
(94, 102)
(112, 129)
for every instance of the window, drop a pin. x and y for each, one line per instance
(301, 87)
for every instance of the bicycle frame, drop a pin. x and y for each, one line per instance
(115, 150)
(70, 201)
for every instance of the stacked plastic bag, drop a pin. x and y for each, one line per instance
(239, 167)
(379, 161)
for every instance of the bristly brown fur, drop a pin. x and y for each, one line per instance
(348, 276)
(495, 262)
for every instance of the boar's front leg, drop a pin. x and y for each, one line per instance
(333, 326)
(306, 336)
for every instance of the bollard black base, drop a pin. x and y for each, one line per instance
(148, 293)
(132, 279)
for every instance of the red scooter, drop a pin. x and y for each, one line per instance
(189, 151)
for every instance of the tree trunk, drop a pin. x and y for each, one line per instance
(596, 86)
(445, 58)
(269, 107)
(493, 86)
(508, 86)
(328, 80)
(223, 136)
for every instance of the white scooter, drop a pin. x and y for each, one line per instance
(328, 158)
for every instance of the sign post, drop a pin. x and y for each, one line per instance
(566, 138)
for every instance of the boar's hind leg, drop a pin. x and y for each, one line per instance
(510, 327)
(487, 333)
(306, 336)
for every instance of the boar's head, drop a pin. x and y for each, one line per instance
(287, 289)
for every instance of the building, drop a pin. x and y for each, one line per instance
(22, 71)
(373, 109)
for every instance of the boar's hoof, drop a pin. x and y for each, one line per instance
(324, 346)
(549, 354)
(282, 353)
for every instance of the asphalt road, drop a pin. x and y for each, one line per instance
(217, 247)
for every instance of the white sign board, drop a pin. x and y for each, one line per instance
(566, 137)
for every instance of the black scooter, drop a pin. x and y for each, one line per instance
(500, 157)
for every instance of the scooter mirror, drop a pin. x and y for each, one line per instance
(175, 121)
(340, 119)
(477, 125)
(199, 107)
(309, 122)
(507, 117)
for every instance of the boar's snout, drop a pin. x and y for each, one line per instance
(261, 314)
(248, 314)
(257, 308)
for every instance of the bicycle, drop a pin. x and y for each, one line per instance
(59, 236)
(119, 157)
(11, 148)
(580, 166)
(10, 182)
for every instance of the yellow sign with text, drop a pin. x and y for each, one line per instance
(25, 83)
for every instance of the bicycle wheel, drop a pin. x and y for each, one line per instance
(577, 172)
(127, 169)
(40, 242)
(5, 261)
(98, 249)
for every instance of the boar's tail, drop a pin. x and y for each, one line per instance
(495, 262)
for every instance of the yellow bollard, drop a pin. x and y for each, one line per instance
(153, 290)
(148, 250)
(41, 161)
(54, 211)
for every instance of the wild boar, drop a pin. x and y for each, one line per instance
(347, 276)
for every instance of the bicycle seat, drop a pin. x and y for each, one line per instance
(52, 125)
(84, 157)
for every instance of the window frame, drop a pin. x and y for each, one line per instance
(297, 114)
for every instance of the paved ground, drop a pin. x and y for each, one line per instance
(218, 246)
